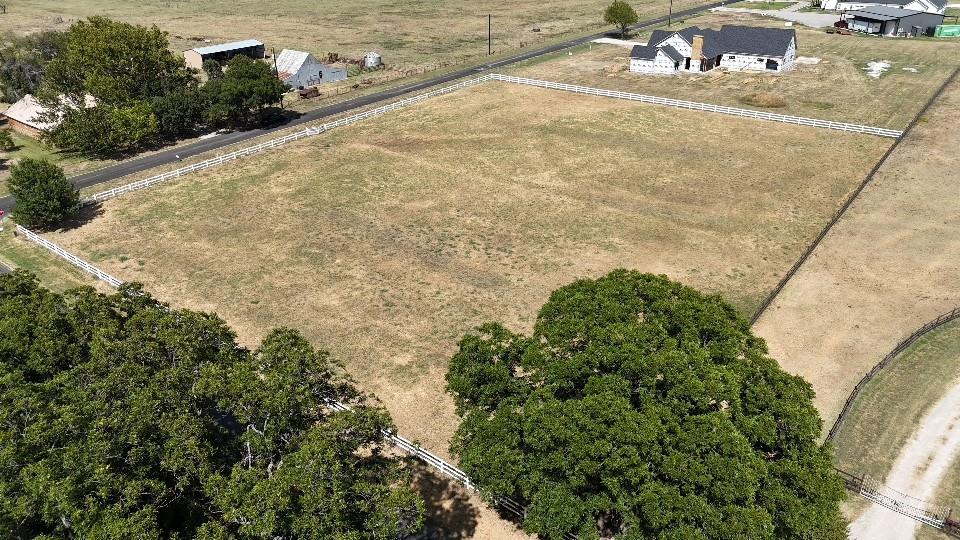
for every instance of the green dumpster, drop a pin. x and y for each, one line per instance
(947, 30)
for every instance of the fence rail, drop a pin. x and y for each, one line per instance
(444, 467)
(693, 105)
(71, 258)
(279, 141)
(902, 346)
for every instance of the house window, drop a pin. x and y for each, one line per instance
(731, 57)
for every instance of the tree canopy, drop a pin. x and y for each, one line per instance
(44, 195)
(641, 408)
(127, 70)
(621, 15)
(24, 60)
(241, 96)
(122, 418)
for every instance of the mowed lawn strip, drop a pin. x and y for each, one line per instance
(836, 89)
(387, 240)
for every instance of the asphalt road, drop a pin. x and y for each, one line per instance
(170, 156)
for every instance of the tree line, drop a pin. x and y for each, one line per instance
(637, 408)
(116, 88)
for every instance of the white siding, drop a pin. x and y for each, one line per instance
(677, 43)
(661, 64)
(916, 5)
(747, 62)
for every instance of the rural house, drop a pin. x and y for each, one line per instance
(926, 6)
(24, 116)
(891, 21)
(223, 53)
(737, 48)
(298, 69)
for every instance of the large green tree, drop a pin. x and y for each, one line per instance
(23, 61)
(243, 94)
(643, 409)
(621, 15)
(44, 195)
(122, 418)
(127, 70)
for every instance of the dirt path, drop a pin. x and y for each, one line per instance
(918, 470)
(888, 266)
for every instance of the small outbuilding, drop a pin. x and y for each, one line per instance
(891, 21)
(24, 117)
(224, 52)
(299, 69)
(372, 60)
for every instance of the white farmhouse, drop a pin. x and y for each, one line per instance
(737, 48)
(298, 69)
(927, 6)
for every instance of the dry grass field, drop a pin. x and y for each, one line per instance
(887, 267)
(836, 89)
(409, 32)
(387, 240)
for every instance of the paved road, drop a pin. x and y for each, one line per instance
(170, 156)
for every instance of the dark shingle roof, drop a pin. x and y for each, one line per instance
(731, 39)
(882, 13)
(756, 40)
(941, 4)
(643, 52)
(672, 53)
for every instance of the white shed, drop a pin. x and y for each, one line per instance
(298, 69)
(372, 60)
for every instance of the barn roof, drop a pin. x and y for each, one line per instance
(290, 61)
(224, 47)
(882, 13)
(26, 112)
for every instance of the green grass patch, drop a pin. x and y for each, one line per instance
(53, 272)
(889, 408)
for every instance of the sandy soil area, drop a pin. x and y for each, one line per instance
(918, 470)
(886, 268)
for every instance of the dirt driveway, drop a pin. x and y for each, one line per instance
(887, 267)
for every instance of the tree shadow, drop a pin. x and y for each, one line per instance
(86, 214)
(450, 512)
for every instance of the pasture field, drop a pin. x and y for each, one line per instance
(385, 241)
(55, 273)
(891, 406)
(885, 269)
(838, 88)
(406, 32)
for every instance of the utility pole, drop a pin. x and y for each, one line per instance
(276, 70)
(670, 14)
(489, 27)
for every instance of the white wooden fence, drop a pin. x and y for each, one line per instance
(693, 105)
(71, 258)
(279, 141)
(446, 468)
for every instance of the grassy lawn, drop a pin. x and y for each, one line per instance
(408, 33)
(761, 6)
(836, 89)
(896, 400)
(53, 272)
(387, 240)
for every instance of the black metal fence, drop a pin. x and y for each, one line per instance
(902, 346)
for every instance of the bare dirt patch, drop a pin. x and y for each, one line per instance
(387, 240)
(837, 88)
(886, 268)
